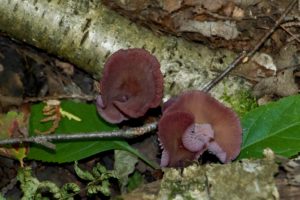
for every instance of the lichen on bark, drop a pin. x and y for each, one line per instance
(248, 179)
(245, 179)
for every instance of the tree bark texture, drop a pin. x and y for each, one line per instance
(86, 33)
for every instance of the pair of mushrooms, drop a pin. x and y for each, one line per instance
(190, 124)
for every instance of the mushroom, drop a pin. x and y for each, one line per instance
(215, 128)
(170, 136)
(131, 84)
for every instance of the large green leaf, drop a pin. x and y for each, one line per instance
(275, 125)
(67, 151)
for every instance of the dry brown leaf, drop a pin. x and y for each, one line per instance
(213, 5)
(171, 5)
(223, 29)
(283, 85)
(51, 111)
(228, 8)
(238, 13)
(66, 67)
(133, 5)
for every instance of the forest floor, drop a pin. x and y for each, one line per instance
(30, 73)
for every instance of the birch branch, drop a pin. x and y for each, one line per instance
(86, 33)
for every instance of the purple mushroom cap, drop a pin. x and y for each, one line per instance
(131, 84)
(171, 127)
(215, 128)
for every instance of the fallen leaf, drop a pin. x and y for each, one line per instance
(171, 5)
(124, 165)
(11, 125)
(223, 29)
(283, 85)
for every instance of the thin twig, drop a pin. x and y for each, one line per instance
(294, 36)
(72, 96)
(12, 183)
(230, 67)
(247, 56)
(292, 67)
(126, 133)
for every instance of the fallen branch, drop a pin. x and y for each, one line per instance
(71, 96)
(294, 36)
(46, 139)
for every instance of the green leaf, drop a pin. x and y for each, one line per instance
(275, 125)
(48, 187)
(68, 151)
(123, 166)
(103, 188)
(98, 179)
(2, 197)
(85, 175)
(9, 125)
(135, 181)
(69, 190)
(28, 183)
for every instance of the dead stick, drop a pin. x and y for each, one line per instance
(126, 133)
(248, 55)
(289, 32)
(71, 96)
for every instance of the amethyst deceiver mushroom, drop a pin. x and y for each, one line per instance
(131, 84)
(176, 135)
(214, 127)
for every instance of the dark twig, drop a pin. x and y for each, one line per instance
(12, 183)
(246, 56)
(230, 67)
(294, 36)
(72, 96)
(292, 67)
(126, 133)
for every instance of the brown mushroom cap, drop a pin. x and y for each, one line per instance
(170, 130)
(131, 84)
(224, 122)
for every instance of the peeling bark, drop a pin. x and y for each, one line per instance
(86, 33)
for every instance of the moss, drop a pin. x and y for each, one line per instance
(241, 101)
